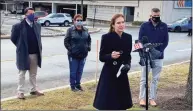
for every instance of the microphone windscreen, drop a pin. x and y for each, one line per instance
(144, 40)
(136, 41)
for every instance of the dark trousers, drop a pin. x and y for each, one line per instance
(190, 32)
(76, 69)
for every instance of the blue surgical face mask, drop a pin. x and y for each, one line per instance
(31, 17)
(79, 23)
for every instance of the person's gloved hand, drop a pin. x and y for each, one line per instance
(125, 68)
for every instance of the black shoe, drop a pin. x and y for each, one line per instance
(79, 87)
(73, 88)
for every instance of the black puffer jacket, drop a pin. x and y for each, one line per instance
(78, 43)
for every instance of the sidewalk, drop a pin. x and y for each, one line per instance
(64, 29)
(127, 24)
(55, 31)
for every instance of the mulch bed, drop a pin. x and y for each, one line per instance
(170, 98)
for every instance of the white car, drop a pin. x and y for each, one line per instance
(56, 18)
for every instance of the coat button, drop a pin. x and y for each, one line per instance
(115, 63)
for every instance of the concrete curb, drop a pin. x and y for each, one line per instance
(90, 32)
(133, 26)
(67, 86)
(96, 31)
(5, 36)
(43, 35)
(107, 25)
(51, 34)
(12, 17)
(57, 30)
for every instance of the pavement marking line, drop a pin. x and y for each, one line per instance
(67, 86)
(184, 50)
(64, 54)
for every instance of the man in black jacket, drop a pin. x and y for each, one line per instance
(78, 42)
(27, 39)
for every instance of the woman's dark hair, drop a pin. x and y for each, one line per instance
(113, 21)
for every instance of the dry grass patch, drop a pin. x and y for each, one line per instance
(65, 99)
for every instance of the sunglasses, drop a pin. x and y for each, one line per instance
(79, 20)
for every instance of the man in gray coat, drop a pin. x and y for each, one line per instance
(26, 36)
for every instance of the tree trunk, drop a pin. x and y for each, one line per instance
(188, 95)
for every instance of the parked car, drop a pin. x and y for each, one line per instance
(39, 14)
(179, 25)
(19, 11)
(56, 18)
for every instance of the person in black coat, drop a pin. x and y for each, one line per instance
(26, 36)
(113, 91)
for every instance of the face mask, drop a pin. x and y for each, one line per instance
(79, 23)
(156, 19)
(31, 17)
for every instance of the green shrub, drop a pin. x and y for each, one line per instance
(137, 22)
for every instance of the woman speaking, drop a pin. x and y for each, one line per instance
(113, 91)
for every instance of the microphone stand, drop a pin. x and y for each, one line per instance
(146, 67)
(147, 57)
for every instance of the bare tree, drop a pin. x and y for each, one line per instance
(188, 95)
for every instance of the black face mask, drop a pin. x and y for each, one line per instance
(156, 19)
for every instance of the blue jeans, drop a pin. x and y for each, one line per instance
(76, 69)
(154, 81)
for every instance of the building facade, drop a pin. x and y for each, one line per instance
(133, 10)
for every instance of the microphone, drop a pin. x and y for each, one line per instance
(153, 52)
(144, 40)
(146, 44)
(139, 48)
(139, 44)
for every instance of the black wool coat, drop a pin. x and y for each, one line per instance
(113, 93)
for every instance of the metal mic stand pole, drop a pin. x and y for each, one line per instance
(146, 85)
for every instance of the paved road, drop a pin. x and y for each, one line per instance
(55, 70)
(7, 23)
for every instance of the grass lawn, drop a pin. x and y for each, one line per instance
(171, 85)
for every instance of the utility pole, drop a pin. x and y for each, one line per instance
(15, 9)
(94, 16)
(82, 7)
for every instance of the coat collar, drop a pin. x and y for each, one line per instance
(114, 33)
(24, 31)
(74, 28)
(25, 21)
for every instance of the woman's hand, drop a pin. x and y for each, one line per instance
(115, 55)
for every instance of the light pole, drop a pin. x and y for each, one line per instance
(82, 7)
(94, 16)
